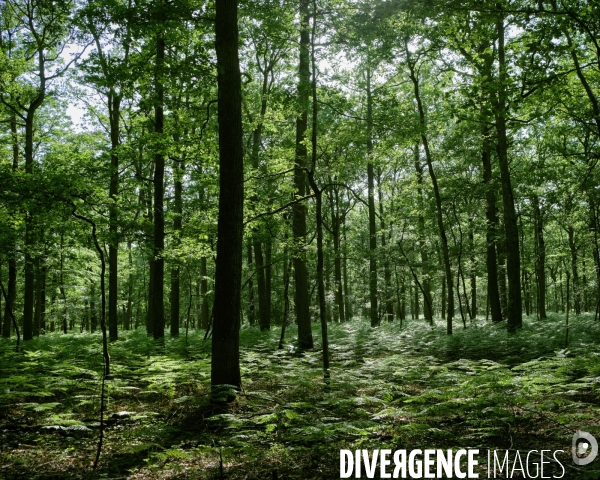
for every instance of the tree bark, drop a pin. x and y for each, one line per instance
(158, 273)
(387, 274)
(427, 300)
(574, 260)
(334, 203)
(178, 169)
(305, 338)
(114, 104)
(438, 198)
(251, 319)
(9, 305)
(225, 367)
(514, 313)
(371, 202)
(540, 260)
(491, 227)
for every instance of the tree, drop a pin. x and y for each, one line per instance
(225, 368)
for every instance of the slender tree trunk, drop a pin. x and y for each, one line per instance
(178, 169)
(491, 227)
(305, 338)
(114, 103)
(158, 273)
(387, 274)
(251, 319)
(427, 301)
(438, 198)
(9, 305)
(259, 231)
(514, 313)
(129, 288)
(347, 304)
(334, 202)
(574, 260)
(268, 275)
(540, 264)
(61, 286)
(40, 296)
(328, 286)
(225, 369)
(319, 207)
(29, 275)
(371, 191)
(263, 317)
(473, 272)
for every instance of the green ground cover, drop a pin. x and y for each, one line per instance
(391, 387)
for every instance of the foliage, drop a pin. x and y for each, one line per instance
(392, 387)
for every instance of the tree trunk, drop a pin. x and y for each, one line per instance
(387, 274)
(427, 300)
(305, 339)
(334, 202)
(9, 306)
(268, 274)
(491, 226)
(514, 313)
(347, 304)
(575, 283)
(225, 366)
(114, 104)
(371, 190)
(251, 319)
(540, 260)
(438, 198)
(129, 288)
(178, 169)
(158, 273)
(473, 272)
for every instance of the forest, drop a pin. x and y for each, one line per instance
(238, 238)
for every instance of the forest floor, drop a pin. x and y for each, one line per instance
(396, 387)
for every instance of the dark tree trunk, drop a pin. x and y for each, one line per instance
(319, 210)
(427, 300)
(225, 367)
(347, 305)
(9, 305)
(251, 319)
(158, 273)
(268, 274)
(574, 259)
(263, 317)
(178, 169)
(334, 202)
(514, 315)
(114, 104)
(374, 314)
(387, 274)
(29, 275)
(305, 338)
(438, 198)
(540, 260)
(491, 227)
(40, 296)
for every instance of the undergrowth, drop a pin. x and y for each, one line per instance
(391, 387)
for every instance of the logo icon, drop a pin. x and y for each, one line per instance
(582, 443)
